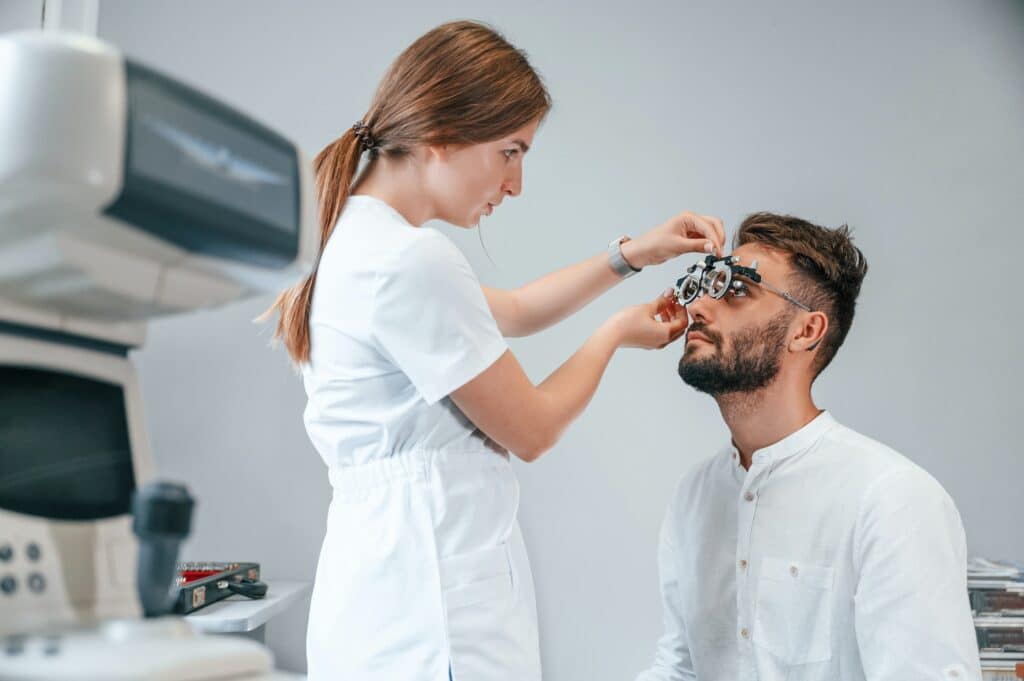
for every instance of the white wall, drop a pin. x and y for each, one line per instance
(903, 119)
(18, 15)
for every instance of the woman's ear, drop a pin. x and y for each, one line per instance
(437, 152)
(811, 332)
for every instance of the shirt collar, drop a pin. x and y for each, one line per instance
(794, 443)
(739, 473)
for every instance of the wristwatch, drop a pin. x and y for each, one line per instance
(617, 261)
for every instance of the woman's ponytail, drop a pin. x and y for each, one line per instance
(335, 168)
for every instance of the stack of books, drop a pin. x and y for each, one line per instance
(996, 590)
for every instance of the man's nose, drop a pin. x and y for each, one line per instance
(702, 309)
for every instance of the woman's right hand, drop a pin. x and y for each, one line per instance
(684, 233)
(651, 325)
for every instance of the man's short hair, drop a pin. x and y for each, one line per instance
(828, 269)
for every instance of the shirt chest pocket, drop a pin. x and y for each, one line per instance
(793, 611)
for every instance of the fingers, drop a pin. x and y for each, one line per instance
(678, 326)
(700, 246)
(708, 227)
(674, 326)
(719, 227)
(676, 330)
(664, 318)
(662, 307)
(668, 307)
(673, 308)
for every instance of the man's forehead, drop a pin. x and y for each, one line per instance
(770, 262)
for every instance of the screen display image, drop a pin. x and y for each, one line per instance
(65, 451)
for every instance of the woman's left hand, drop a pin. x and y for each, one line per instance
(684, 233)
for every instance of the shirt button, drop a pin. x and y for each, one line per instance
(953, 673)
(793, 571)
(743, 564)
(744, 633)
(749, 496)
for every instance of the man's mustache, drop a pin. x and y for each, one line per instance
(703, 330)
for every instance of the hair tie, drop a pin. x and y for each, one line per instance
(367, 142)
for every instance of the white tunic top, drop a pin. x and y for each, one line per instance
(834, 558)
(423, 574)
(398, 322)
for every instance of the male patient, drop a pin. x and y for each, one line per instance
(804, 550)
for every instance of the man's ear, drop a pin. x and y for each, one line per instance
(811, 332)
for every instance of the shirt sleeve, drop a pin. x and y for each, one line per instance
(431, 319)
(911, 610)
(672, 661)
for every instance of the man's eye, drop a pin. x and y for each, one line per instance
(739, 290)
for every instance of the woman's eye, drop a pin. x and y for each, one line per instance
(510, 153)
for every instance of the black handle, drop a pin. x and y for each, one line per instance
(162, 520)
(248, 588)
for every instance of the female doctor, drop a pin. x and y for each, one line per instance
(414, 396)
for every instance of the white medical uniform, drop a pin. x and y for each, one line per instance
(423, 571)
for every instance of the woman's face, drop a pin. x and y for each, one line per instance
(468, 182)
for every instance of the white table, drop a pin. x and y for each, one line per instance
(240, 615)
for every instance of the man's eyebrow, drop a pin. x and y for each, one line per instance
(748, 282)
(523, 146)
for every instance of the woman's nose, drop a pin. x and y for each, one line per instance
(513, 184)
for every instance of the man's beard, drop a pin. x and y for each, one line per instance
(752, 364)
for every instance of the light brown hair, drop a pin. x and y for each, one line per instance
(828, 269)
(461, 83)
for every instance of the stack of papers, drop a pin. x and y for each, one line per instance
(996, 591)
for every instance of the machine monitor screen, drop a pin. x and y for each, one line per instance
(64, 445)
(204, 176)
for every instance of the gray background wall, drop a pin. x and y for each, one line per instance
(905, 120)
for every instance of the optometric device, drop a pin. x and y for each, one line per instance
(719, 277)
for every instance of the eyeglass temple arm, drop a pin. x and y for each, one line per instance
(786, 295)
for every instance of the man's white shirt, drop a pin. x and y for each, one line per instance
(833, 558)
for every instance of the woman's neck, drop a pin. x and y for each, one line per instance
(398, 183)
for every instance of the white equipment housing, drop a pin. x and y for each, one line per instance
(124, 195)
